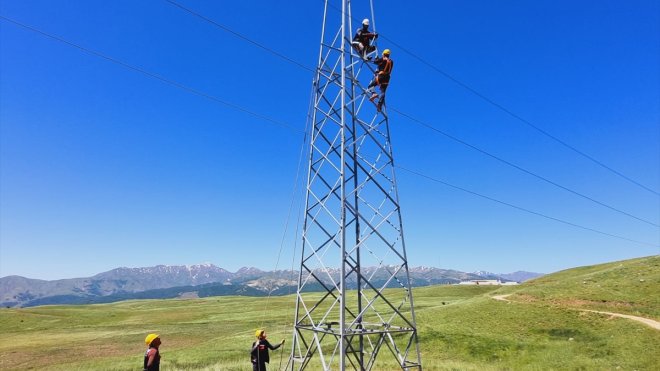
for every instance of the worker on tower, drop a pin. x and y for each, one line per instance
(381, 78)
(259, 353)
(362, 40)
(152, 355)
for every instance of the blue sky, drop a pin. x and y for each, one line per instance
(102, 166)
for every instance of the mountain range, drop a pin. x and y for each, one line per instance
(200, 280)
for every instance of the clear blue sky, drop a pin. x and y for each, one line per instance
(102, 166)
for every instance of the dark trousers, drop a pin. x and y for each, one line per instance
(381, 80)
(258, 366)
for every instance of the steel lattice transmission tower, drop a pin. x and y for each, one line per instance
(354, 301)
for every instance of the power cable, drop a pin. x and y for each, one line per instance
(295, 243)
(245, 38)
(291, 204)
(424, 124)
(153, 75)
(508, 111)
(199, 93)
(524, 209)
(286, 58)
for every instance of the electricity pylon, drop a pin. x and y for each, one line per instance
(354, 300)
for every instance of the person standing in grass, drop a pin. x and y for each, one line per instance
(152, 355)
(259, 353)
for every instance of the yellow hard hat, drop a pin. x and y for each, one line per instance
(150, 338)
(386, 52)
(258, 333)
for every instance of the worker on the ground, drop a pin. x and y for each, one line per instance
(259, 353)
(381, 78)
(362, 40)
(152, 355)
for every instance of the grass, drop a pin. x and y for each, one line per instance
(460, 328)
(629, 287)
(491, 334)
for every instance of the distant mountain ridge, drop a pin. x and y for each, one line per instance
(519, 276)
(167, 281)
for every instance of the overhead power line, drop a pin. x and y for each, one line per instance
(426, 125)
(524, 209)
(291, 60)
(153, 75)
(259, 45)
(524, 121)
(266, 118)
(508, 111)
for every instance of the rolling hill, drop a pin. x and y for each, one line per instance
(460, 327)
(631, 286)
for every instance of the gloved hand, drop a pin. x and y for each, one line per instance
(282, 342)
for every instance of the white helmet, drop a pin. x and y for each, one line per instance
(365, 22)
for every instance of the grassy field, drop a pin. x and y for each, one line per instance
(460, 327)
(629, 287)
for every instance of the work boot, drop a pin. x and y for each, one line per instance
(373, 97)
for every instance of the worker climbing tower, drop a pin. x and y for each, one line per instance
(354, 307)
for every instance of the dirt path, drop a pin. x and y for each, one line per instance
(647, 321)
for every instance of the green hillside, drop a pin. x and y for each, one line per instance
(630, 287)
(461, 328)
